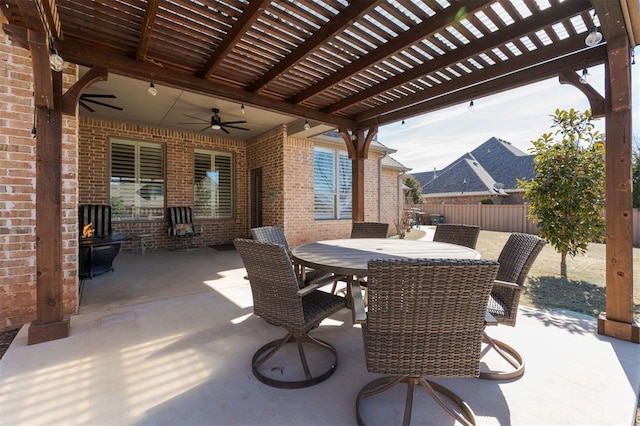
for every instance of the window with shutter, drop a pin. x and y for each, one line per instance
(137, 180)
(213, 185)
(331, 184)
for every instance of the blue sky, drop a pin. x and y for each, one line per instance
(517, 116)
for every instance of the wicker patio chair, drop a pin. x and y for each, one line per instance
(462, 235)
(181, 226)
(369, 230)
(425, 318)
(275, 235)
(516, 258)
(278, 300)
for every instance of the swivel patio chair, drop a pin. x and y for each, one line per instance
(369, 230)
(275, 235)
(462, 235)
(278, 299)
(516, 258)
(425, 318)
(181, 227)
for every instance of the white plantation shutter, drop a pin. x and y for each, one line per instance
(213, 185)
(137, 180)
(331, 184)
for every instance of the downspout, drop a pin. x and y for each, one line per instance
(380, 186)
(400, 196)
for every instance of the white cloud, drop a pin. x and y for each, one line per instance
(518, 116)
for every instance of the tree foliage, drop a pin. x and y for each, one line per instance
(567, 196)
(414, 194)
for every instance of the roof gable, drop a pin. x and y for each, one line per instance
(492, 167)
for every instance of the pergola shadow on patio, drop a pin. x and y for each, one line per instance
(168, 339)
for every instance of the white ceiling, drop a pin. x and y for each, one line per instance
(170, 107)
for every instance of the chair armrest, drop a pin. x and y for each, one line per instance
(306, 290)
(489, 319)
(507, 284)
(359, 314)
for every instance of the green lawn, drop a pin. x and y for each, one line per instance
(583, 290)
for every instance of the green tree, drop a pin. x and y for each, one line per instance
(414, 194)
(567, 196)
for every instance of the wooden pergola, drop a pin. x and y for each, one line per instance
(354, 65)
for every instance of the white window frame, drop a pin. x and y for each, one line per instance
(140, 196)
(332, 184)
(214, 190)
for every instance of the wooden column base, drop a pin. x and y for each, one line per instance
(620, 330)
(39, 333)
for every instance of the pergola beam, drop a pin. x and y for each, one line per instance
(427, 27)
(483, 45)
(457, 92)
(83, 54)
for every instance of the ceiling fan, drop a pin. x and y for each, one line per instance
(84, 98)
(215, 123)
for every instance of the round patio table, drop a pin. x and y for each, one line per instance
(350, 257)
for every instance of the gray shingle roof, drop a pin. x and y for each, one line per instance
(480, 171)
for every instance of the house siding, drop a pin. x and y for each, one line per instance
(95, 136)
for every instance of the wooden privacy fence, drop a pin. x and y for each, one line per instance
(502, 218)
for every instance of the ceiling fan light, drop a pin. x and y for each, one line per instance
(56, 62)
(593, 38)
(216, 127)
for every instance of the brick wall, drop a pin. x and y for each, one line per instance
(266, 152)
(179, 147)
(17, 191)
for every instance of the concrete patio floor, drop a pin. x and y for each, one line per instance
(168, 339)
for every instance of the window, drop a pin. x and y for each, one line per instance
(331, 184)
(213, 184)
(137, 180)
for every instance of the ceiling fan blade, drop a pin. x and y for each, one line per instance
(103, 104)
(234, 127)
(208, 127)
(196, 118)
(189, 123)
(224, 130)
(85, 106)
(98, 96)
(233, 122)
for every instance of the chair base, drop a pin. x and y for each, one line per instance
(507, 353)
(267, 351)
(465, 416)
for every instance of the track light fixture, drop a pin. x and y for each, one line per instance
(584, 78)
(242, 108)
(470, 108)
(56, 63)
(402, 123)
(152, 88)
(307, 126)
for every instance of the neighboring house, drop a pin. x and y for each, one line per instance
(489, 172)
(276, 178)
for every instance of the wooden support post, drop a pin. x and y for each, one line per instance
(618, 320)
(50, 323)
(358, 148)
